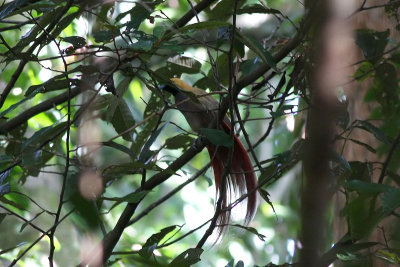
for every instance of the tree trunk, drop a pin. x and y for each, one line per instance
(374, 19)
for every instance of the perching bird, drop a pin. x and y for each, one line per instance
(199, 114)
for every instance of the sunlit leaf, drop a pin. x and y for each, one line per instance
(152, 242)
(12, 248)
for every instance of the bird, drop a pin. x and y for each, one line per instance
(200, 110)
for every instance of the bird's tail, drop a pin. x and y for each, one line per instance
(240, 180)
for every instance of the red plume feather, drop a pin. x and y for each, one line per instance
(241, 179)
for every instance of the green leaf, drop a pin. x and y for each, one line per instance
(187, 258)
(30, 221)
(257, 8)
(16, 200)
(86, 69)
(115, 171)
(230, 263)
(43, 135)
(365, 187)
(12, 248)
(51, 85)
(143, 136)
(141, 45)
(39, 6)
(364, 71)
(159, 31)
(362, 220)
(370, 148)
(137, 14)
(32, 159)
(4, 174)
(134, 197)
(251, 230)
(123, 86)
(390, 257)
(347, 257)
(76, 41)
(378, 133)
(352, 248)
(256, 47)
(146, 153)
(361, 171)
(265, 195)
(391, 199)
(120, 147)
(4, 187)
(102, 36)
(11, 7)
(205, 25)
(153, 105)
(179, 141)
(86, 214)
(64, 23)
(2, 217)
(217, 137)
(33, 33)
(281, 111)
(179, 66)
(372, 43)
(30, 96)
(121, 117)
(343, 163)
(152, 242)
(385, 88)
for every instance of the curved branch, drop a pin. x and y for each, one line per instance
(33, 111)
(111, 239)
(192, 12)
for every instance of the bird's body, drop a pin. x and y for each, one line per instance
(201, 114)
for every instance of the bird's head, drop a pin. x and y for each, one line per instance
(177, 85)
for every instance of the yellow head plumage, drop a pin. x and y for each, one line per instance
(186, 87)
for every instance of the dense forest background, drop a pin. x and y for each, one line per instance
(98, 167)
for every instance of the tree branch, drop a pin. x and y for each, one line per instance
(33, 111)
(111, 239)
(32, 48)
(113, 236)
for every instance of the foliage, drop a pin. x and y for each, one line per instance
(92, 150)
